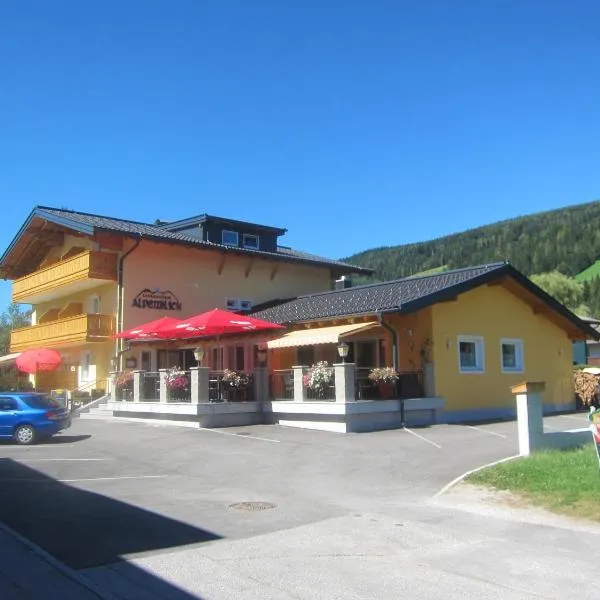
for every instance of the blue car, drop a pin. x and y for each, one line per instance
(29, 417)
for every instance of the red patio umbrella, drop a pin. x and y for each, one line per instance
(149, 330)
(216, 322)
(38, 359)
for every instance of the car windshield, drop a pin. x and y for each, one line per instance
(41, 402)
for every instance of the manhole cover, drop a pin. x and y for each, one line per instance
(253, 506)
(243, 433)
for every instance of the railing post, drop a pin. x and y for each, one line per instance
(299, 389)
(261, 383)
(137, 386)
(344, 382)
(530, 416)
(164, 395)
(194, 387)
(112, 379)
(199, 384)
(202, 384)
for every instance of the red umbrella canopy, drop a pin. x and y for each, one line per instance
(150, 329)
(217, 322)
(38, 359)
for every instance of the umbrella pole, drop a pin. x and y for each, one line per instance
(221, 359)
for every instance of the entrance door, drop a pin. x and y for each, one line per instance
(366, 354)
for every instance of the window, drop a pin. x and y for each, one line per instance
(230, 238)
(511, 352)
(250, 241)
(146, 361)
(305, 355)
(470, 354)
(216, 358)
(236, 304)
(41, 402)
(95, 305)
(7, 404)
(85, 367)
(236, 358)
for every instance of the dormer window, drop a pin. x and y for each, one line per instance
(250, 241)
(230, 238)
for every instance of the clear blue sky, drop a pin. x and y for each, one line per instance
(353, 124)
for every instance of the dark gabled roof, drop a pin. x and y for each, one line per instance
(89, 223)
(405, 296)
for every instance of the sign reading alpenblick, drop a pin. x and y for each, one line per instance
(157, 300)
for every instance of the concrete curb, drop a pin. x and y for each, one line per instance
(458, 479)
(59, 566)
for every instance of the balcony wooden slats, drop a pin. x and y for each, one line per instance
(87, 265)
(77, 329)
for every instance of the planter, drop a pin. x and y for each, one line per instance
(385, 390)
(235, 394)
(178, 395)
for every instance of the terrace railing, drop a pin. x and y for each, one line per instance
(179, 389)
(220, 390)
(322, 392)
(150, 386)
(408, 385)
(281, 384)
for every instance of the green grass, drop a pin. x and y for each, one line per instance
(566, 481)
(589, 273)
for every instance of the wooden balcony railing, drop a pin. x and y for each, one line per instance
(89, 265)
(80, 328)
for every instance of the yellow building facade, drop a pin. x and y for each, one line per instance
(469, 335)
(88, 277)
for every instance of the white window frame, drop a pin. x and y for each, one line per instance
(479, 354)
(229, 232)
(235, 304)
(246, 236)
(519, 352)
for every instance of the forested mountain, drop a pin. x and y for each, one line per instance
(567, 240)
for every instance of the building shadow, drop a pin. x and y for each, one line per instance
(52, 441)
(85, 529)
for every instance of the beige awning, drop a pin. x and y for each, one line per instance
(8, 358)
(318, 335)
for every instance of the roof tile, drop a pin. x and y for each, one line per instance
(160, 233)
(402, 294)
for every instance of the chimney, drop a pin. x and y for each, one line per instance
(343, 283)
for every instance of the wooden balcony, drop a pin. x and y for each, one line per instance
(78, 329)
(83, 271)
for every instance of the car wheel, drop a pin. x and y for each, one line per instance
(25, 435)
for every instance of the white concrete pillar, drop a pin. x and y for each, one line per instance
(199, 384)
(164, 393)
(112, 377)
(137, 386)
(530, 416)
(261, 384)
(344, 382)
(299, 389)
(194, 387)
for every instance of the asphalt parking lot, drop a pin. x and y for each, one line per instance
(168, 487)
(151, 512)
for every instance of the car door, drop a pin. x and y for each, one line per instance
(9, 415)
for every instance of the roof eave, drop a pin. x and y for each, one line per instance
(40, 212)
(553, 303)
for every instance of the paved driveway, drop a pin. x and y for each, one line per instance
(162, 498)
